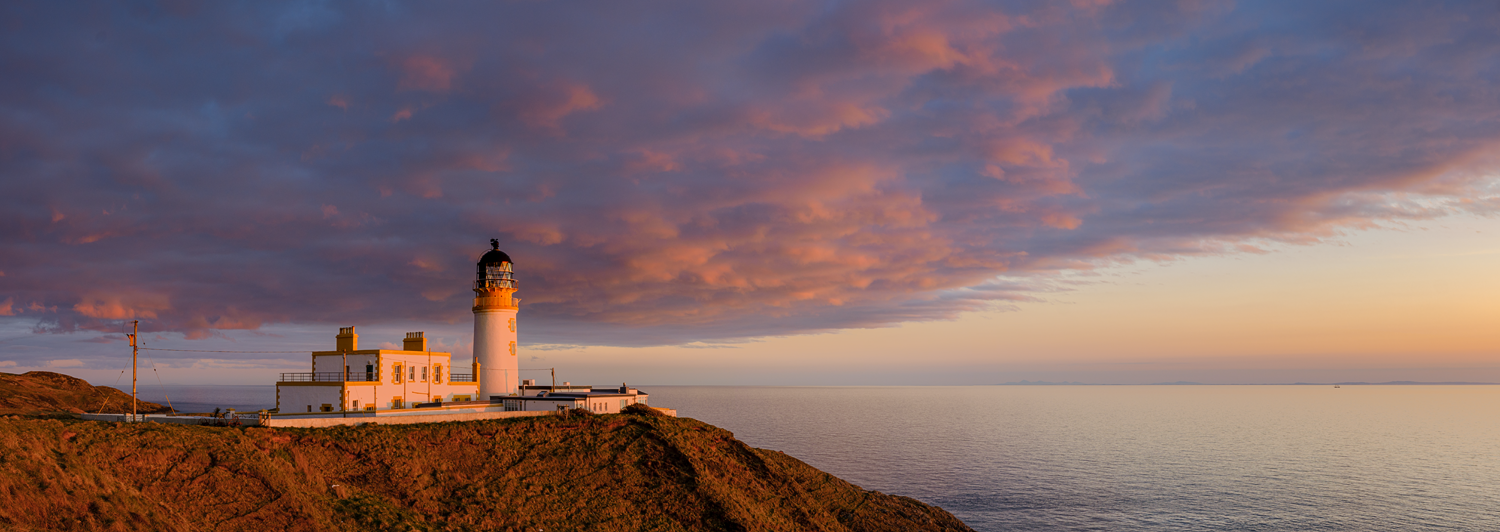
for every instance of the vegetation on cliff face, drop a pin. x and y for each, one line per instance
(44, 391)
(632, 471)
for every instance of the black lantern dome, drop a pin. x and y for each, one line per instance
(494, 270)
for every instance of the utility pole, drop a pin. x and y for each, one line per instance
(135, 330)
(554, 379)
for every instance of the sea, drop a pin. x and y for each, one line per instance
(1283, 458)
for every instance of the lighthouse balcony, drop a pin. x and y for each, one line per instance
(461, 377)
(332, 376)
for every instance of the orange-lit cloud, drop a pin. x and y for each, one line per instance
(116, 306)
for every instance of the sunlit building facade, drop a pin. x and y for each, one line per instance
(352, 379)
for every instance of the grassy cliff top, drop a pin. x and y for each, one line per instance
(581, 472)
(45, 392)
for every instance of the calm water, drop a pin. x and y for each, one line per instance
(1143, 457)
(1118, 457)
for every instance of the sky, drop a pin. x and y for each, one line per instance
(941, 192)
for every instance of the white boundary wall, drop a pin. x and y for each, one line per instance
(392, 419)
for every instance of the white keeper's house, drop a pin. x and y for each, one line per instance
(349, 381)
(350, 378)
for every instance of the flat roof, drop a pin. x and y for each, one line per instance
(378, 352)
(595, 394)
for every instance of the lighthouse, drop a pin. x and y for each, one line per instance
(495, 308)
(418, 385)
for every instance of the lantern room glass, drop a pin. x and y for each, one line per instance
(495, 275)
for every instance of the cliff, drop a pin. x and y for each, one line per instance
(583, 472)
(44, 392)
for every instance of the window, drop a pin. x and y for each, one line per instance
(437, 373)
(326, 408)
(396, 402)
(396, 374)
(413, 373)
(424, 373)
(356, 404)
(622, 404)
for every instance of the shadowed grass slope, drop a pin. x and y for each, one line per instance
(583, 472)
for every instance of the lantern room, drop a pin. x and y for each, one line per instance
(494, 271)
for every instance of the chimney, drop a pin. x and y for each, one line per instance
(414, 342)
(347, 340)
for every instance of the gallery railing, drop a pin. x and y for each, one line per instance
(331, 376)
(461, 377)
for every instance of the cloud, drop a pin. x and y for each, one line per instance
(7, 363)
(425, 73)
(700, 173)
(548, 106)
(116, 306)
(65, 363)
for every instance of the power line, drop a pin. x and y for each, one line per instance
(161, 386)
(208, 351)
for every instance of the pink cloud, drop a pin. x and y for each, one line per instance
(425, 73)
(547, 109)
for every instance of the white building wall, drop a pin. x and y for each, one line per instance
(611, 404)
(360, 397)
(549, 406)
(333, 363)
(417, 382)
(297, 398)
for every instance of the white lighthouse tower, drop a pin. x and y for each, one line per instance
(495, 308)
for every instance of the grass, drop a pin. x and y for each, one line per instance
(637, 471)
(43, 392)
